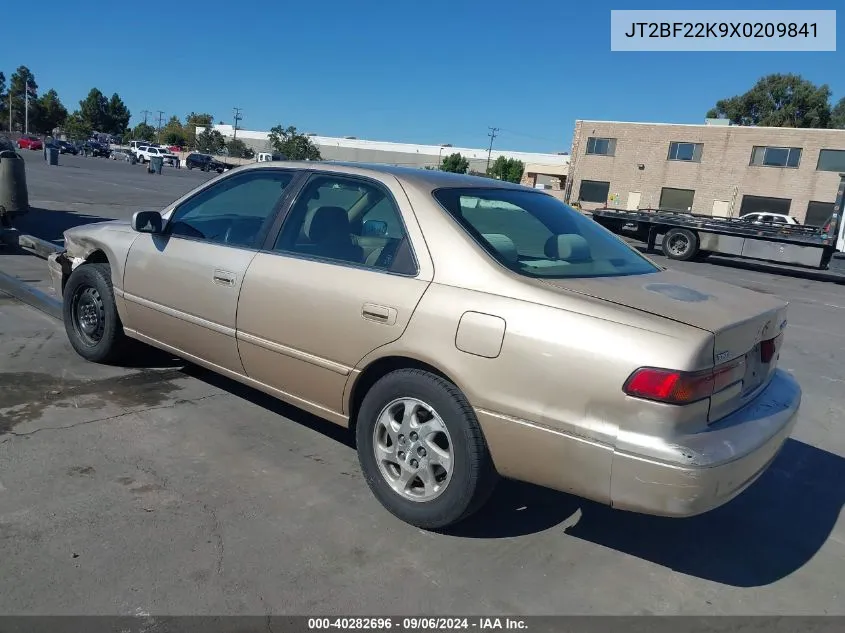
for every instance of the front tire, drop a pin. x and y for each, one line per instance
(91, 320)
(422, 450)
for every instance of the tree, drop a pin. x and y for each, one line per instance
(172, 133)
(76, 127)
(143, 132)
(210, 141)
(117, 116)
(509, 169)
(49, 112)
(837, 115)
(18, 83)
(778, 101)
(94, 111)
(455, 163)
(293, 145)
(192, 122)
(238, 149)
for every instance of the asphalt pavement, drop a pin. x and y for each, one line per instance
(162, 488)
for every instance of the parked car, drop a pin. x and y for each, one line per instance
(121, 154)
(146, 152)
(95, 148)
(66, 147)
(463, 327)
(205, 162)
(770, 218)
(30, 142)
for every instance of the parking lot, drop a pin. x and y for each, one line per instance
(163, 488)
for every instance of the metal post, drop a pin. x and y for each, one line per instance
(26, 108)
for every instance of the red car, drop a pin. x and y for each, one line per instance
(30, 142)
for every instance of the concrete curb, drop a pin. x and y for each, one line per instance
(31, 296)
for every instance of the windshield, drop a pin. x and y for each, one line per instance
(537, 235)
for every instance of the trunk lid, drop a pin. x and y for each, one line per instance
(739, 319)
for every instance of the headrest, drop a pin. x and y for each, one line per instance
(568, 246)
(328, 223)
(503, 245)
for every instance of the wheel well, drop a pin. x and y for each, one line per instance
(375, 371)
(97, 257)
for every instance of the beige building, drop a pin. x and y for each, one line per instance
(551, 178)
(710, 169)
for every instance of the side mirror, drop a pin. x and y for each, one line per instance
(374, 228)
(147, 222)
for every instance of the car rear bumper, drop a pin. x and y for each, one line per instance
(710, 468)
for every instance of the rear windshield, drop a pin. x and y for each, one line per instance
(537, 235)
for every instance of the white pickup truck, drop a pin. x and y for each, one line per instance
(145, 152)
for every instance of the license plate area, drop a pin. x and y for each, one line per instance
(755, 371)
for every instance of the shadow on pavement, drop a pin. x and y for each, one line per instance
(50, 225)
(333, 431)
(768, 532)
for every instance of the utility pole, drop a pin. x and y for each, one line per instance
(160, 117)
(26, 108)
(492, 135)
(237, 116)
(146, 113)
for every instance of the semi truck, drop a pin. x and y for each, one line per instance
(687, 236)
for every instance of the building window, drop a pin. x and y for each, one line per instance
(690, 152)
(676, 199)
(831, 160)
(601, 146)
(763, 204)
(776, 156)
(818, 213)
(594, 191)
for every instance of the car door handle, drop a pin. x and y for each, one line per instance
(378, 313)
(224, 278)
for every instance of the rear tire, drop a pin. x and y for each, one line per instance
(422, 450)
(92, 323)
(680, 244)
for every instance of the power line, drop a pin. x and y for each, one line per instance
(492, 135)
(237, 116)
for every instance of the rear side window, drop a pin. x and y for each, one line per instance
(537, 235)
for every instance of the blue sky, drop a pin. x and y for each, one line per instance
(439, 71)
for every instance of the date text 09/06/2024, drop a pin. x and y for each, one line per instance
(721, 29)
(417, 623)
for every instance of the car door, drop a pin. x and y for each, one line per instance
(181, 286)
(315, 302)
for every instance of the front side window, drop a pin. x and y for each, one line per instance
(233, 211)
(537, 235)
(347, 220)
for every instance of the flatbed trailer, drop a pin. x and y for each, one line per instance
(687, 236)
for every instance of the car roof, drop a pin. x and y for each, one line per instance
(427, 179)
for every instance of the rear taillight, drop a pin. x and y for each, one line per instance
(680, 387)
(769, 348)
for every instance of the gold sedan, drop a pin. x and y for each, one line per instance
(465, 328)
